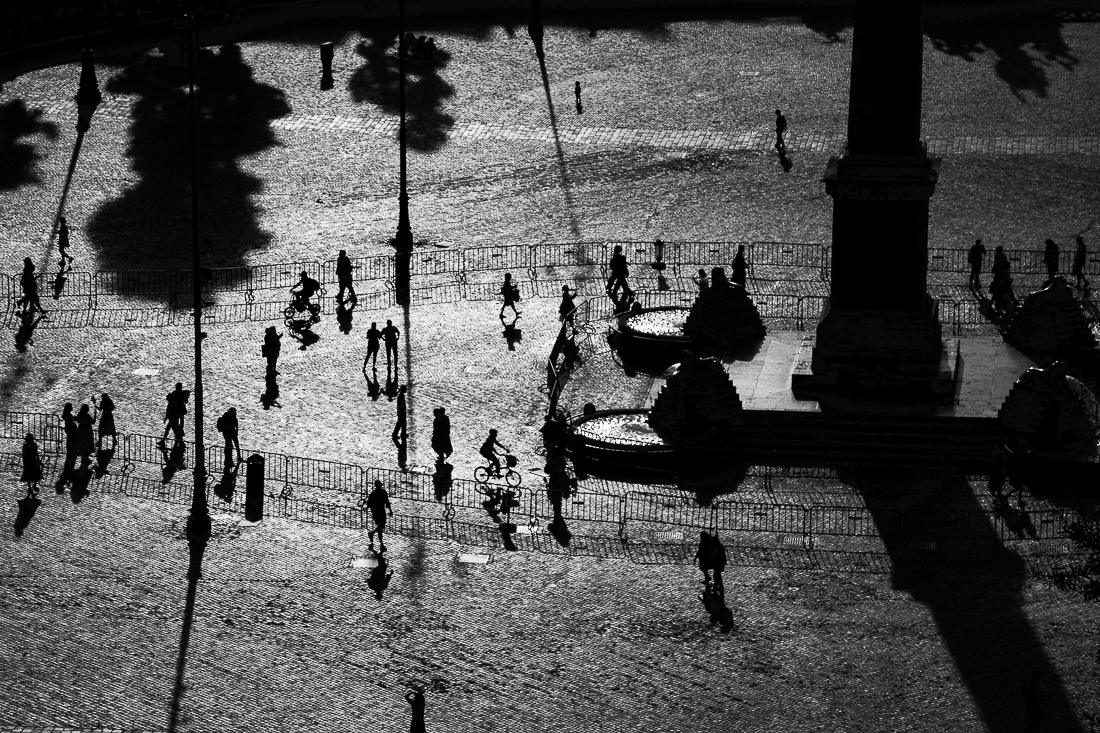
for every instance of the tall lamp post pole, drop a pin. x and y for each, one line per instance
(403, 242)
(198, 522)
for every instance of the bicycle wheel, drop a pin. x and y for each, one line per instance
(513, 478)
(481, 475)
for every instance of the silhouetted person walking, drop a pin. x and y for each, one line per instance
(229, 427)
(619, 272)
(567, 309)
(85, 435)
(343, 276)
(509, 292)
(174, 411)
(1030, 693)
(63, 244)
(441, 434)
(32, 464)
(1080, 258)
(415, 699)
(740, 266)
(28, 281)
(977, 253)
(1050, 259)
(400, 429)
(378, 502)
(780, 129)
(106, 409)
(577, 91)
(390, 335)
(702, 281)
(273, 344)
(68, 422)
(373, 339)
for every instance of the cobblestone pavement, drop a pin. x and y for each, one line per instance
(286, 634)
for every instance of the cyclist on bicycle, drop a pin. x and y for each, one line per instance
(303, 290)
(489, 454)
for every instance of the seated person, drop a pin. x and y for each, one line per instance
(305, 289)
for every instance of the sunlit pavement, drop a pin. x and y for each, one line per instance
(286, 632)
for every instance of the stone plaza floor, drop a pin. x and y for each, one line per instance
(836, 628)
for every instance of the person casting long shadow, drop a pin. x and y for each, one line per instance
(68, 422)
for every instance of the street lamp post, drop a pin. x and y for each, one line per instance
(198, 521)
(403, 242)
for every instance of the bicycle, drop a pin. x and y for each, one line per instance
(511, 476)
(301, 306)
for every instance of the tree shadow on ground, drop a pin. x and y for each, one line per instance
(973, 587)
(17, 157)
(149, 226)
(377, 82)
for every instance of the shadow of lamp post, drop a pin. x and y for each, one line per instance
(88, 96)
(403, 241)
(198, 527)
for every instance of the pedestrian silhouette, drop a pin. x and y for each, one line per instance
(1030, 693)
(68, 422)
(174, 411)
(718, 560)
(28, 321)
(390, 335)
(373, 338)
(32, 464)
(568, 308)
(704, 556)
(974, 258)
(63, 243)
(85, 436)
(378, 502)
(441, 434)
(780, 129)
(343, 276)
(343, 316)
(28, 281)
(273, 344)
(702, 281)
(1000, 290)
(577, 91)
(379, 579)
(106, 407)
(1080, 257)
(740, 267)
(619, 272)
(415, 699)
(1050, 259)
(401, 429)
(270, 396)
(228, 426)
(509, 292)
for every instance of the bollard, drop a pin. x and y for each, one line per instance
(326, 65)
(254, 489)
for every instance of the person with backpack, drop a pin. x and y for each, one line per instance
(174, 411)
(228, 426)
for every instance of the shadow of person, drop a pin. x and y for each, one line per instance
(785, 161)
(580, 108)
(391, 386)
(379, 579)
(270, 396)
(559, 531)
(373, 388)
(442, 480)
(512, 335)
(228, 484)
(59, 281)
(173, 461)
(715, 605)
(81, 479)
(662, 283)
(103, 458)
(302, 334)
(402, 443)
(23, 335)
(1016, 519)
(343, 316)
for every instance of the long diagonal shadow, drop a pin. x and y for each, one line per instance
(974, 596)
(557, 144)
(181, 658)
